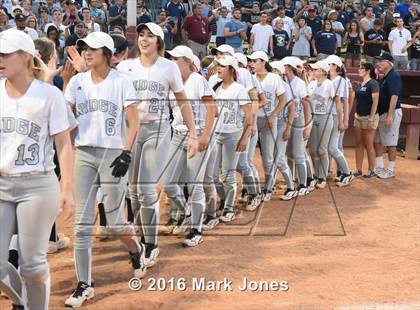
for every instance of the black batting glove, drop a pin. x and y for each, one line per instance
(121, 164)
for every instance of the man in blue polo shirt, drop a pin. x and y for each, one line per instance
(390, 114)
(235, 31)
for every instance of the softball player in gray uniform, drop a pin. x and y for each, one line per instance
(341, 91)
(232, 129)
(273, 88)
(296, 146)
(100, 98)
(203, 106)
(153, 77)
(33, 114)
(322, 96)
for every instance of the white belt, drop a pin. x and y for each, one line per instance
(23, 174)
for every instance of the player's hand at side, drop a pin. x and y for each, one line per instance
(203, 143)
(287, 133)
(192, 147)
(67, 204)
(120, 164)
(241, 147)
(253, 130)
(271, 122)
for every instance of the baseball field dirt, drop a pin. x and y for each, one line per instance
(338, 248)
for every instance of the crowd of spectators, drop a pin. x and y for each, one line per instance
(353, 29)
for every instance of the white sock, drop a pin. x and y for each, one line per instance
(391, 165)
(379, 162)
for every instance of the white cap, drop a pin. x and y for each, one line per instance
(97, 40)
(299, 61)
(227, 60)
(16, 7)
(332, 12)
(224, 48)
(241, 58)
(197, 62)
(291, 61)
(321, 64)
(259, 55)
(182, 51)
(334, 59)
(13, 40)
(278, 65)
(154, 28)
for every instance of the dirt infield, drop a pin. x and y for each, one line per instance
(367, 260)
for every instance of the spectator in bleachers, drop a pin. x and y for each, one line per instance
(142, 13)
(32, 23)
(117, 14)
(288, 22)
(57, 22)
(90, 25)
(235, 31)
(221, 21)
(411, 17)
(403, 8)
(246, 8)
(388, 16)
(71, 16)
(228, 4)
(342, 16)
(415, 49)
(270, 8)
(366, 23)
(262, 36)
(217, 4)
(351, 9)
(196, 31)
(52, 6)
(391, 26)
(54, 35)
(206, 8)
(176, 9)
(375, 41)
(169, 26)
(302, 35)
(377, 9)
(313, 19)
(399, 40)
(353, 40)
(43, 18)
(337, 28)
(80, 32)
(325, 42)
(97, 14)
(20, 21)
(27, 8)
(281, 41)
(253, 17)
(4, 21)
(289, 8)
(327, 7)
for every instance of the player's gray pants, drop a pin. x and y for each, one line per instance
(146, 169)
(280, 155)
(192, 171)
(227, 157)
(29, 206)
(211, 180)
(247, 168)
(334, 150)
(296, 149)
(318, 144)
(267, 141)
(91, 172)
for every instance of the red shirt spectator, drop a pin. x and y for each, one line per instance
(197, 27)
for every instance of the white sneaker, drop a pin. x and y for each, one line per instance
(138, 261)
(321, 183)
(152, 252)
(379, 170)
(228, 216)
(194, 238)
(63, 242)
(344, 180)
(168, 227)
(103, 232)
(303, 190)
(311, 185)
(289, 194)
(82, 293)
(386, 174)
(210, 222)
(252, 203)
(183, 225)
(267, 196)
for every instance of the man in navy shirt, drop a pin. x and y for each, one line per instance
(403, 8)
(390, 114)
(176, 9)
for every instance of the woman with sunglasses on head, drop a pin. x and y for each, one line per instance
(322, 97)
(101, 99)
(203, 106)
(154, 77)
(337, 76)
(232, 128)
(366, 118)
(33, 114)
(273, 88)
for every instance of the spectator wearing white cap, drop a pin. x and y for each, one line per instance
(262, 36)
(399, 40)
